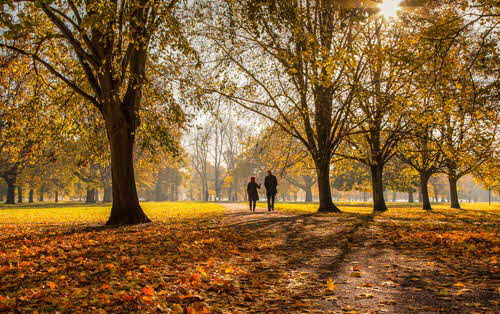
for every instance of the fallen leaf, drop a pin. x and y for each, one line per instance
(148, 291)
(330, 284)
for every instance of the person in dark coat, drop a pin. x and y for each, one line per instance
(253, 194)
(271, 184)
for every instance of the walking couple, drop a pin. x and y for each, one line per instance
(270, 182)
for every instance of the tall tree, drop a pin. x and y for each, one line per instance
(382, 106)
(294, 63)
(103, 50)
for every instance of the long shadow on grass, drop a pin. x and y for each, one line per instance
(306, 238)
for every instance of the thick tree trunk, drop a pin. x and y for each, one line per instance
(30, 196)
(378, 189)
(11, 192)
(126, 209)
(325, 192)
(107, 194)
(426, 203)
(19, 194)
(56, 196)
(454, 203)
(410, 197)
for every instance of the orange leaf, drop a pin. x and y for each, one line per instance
(127, 297)
(109, 266)
(356, 268)
(148, 291)
(51, 285)
(146, 298)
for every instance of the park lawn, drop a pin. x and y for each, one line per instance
(78, 213)
(64, 259)
(190, 260)
(472, 230)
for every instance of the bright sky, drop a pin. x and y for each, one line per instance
(390, 8)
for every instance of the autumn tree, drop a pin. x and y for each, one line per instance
(101, 50)
(468, 115)
(29, 121)
(383, 104)
(292, 62)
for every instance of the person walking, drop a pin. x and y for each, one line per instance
(253, 194)
(271, 184)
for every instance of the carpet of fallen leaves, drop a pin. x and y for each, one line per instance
(196, 258)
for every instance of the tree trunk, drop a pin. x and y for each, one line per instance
(378, 189)
(56, 196)
(453, 192)
(424, 179)
(206, 195)
(30, 196)
(107, 194)
(410, 197)
(309, 194)
(325, 192)
(19, 194)
(1, 193)
(11, 191)
(90, 198)
(125, 209)
(40, 196)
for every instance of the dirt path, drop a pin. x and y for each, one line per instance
(296, 256)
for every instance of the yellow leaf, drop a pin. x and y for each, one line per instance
(459, 284)
(330, 284)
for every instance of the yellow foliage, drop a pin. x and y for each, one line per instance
(98, 214)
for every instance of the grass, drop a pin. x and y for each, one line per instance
(53, 257)
(77, 213)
